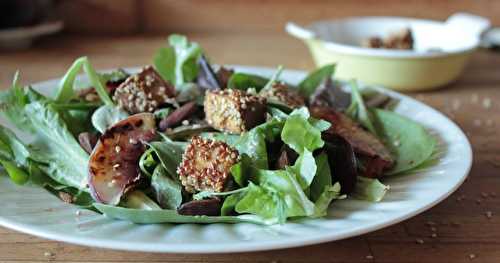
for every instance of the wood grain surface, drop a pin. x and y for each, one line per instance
(463, 228)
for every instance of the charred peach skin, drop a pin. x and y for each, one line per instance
(113, 166)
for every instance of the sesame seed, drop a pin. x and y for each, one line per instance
(48, 254)
(433, 235)
(115, 166)
(118, 148)
(419, 241)
(132, 141)
(472, 256)
(369, 257)
(185, 122)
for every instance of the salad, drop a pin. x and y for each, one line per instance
(183, 141)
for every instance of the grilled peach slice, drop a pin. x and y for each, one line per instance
(113, 165)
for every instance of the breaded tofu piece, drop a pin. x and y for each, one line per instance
(371, 150)
(144, 92)
(282, 93)
(233, 110)
(206, 165)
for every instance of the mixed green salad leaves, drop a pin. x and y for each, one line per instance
(130, 156)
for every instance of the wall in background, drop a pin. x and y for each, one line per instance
(245, 16)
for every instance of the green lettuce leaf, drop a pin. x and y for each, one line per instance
(177, 63)
(323, 177)
(369, 189)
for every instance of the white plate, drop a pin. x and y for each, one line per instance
(36, 212)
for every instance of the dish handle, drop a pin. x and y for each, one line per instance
(299, 31)
(468, 23)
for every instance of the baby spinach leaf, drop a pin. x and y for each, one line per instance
(167, 190)
(369, 189)
(410, 143)
(170, 153)
(309, 84)
(139, 200)
(107, 115)
(244, 81)
(140, 216)
(323, 177)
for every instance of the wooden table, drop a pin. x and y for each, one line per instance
(463, 228)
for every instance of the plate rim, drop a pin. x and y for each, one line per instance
(290, 242)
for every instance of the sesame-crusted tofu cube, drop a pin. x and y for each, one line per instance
(144, 92)
(206, 165)
(280, 92)
(234, 111)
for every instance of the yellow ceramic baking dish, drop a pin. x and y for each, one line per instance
(441, 49)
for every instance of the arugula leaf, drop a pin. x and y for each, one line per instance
(66, 90)
(274, 78)
(65, 159)
(12, 103)
(12, 148)
(369, 189)
(244, 81)
(323, 177)
(107, 115)
(309, 84)
(358, 111)
(410, 143)
(140, 216)
(167, 190)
